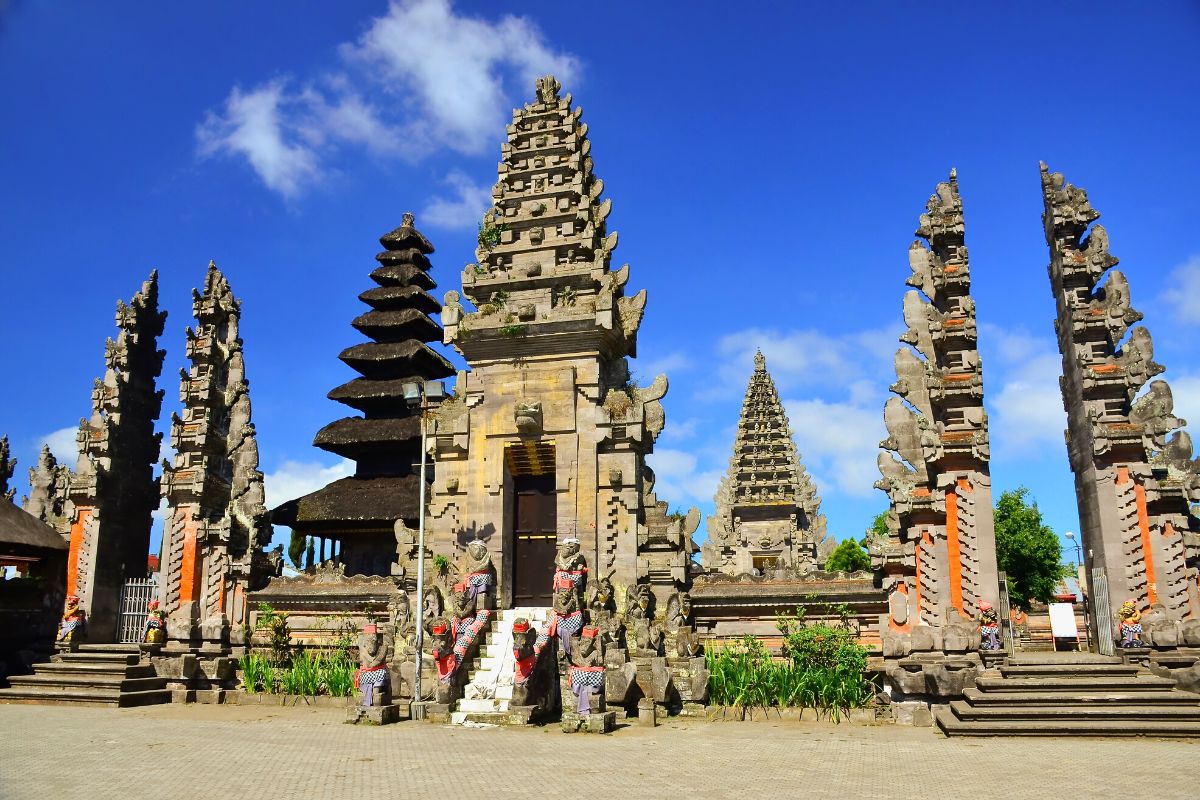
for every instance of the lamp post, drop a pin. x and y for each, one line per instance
(419, 396)
(1079, 570)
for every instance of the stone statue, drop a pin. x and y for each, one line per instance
(586, 674)
(467, 618)
(441, 647)
(528, 645)
(1130, 623)
(73, 627)
(566, 617)
(989, 627)
(372, 670)
(648, 637)
(570, 565)
(477, 570)
(602, 611)
(679, 611)
(156, 624)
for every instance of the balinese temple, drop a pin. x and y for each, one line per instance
(546, 437)
(352, 519)
(1135, 478)
(216, 523)
(768, 515)
(113, 490)
(940, 553)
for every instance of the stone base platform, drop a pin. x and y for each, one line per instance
(372, 715)
(508, 715)
(602, 722)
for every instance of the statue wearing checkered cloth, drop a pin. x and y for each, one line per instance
(586, 674)
(1131, 624)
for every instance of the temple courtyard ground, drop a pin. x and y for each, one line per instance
(206, 752)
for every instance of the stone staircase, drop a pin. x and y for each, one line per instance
(487, 695)
(1065, 694)
(95, 675)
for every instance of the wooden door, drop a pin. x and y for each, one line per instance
(534, 538)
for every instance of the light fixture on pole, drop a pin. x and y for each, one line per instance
(1080, 571)
(421, 397)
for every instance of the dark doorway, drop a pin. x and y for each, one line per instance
(534, 538)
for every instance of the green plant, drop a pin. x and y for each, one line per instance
(441, 564)
(849, 556)
(278, 635)
(513, 329)
(296, 548)
(489, 231)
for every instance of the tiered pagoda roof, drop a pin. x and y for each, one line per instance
(542, 283)
(385, 440)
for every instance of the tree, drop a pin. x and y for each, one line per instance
(849, 556)
(879, 528)
(1027, 550)
(296, 549)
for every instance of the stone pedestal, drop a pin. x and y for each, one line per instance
(599, 722)
(372, 715)
(647, 713)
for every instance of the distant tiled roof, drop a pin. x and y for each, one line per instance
(21, 529)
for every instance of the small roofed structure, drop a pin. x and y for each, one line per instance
(33, 558)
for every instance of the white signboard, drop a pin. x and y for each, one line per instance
(1062, 621)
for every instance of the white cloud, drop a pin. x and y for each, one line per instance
(260, 126)
(464, 211)
(840, 440)
(679, 479)
(62, 445)
(421, 78)
(1184, 293)
(451, 68)
(1028, 410)
(804, 358)
(1185, 391)
(293, 479)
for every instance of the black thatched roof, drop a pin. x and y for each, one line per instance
(20, 530)
(366, 502)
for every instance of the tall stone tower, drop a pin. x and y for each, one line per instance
(113, 490)
(357, 514)
(49, 492)
(768, 512)
(940, 553)
(546, 437)
(1135, 479)
(217, 524)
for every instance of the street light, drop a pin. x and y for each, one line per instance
(1079, 570)
(421, 396)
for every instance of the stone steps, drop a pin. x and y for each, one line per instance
(103, 675)
(489, 689)
(1088, 696)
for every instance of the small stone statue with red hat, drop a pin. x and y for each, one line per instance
(989, 627)
(371, 678)
(441, 647)
(528, 645)
(156, 624)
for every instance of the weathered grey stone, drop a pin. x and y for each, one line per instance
(896, 645)
(926, 638)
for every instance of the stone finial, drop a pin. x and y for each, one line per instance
(760, 361)
(407, 220)
(548, 88)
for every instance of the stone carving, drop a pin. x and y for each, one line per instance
(441, 648)
(586, 673)
(938, 558)
(156, 624)
(49, 492)
(213, 487)
(528, 416)
(989, 627)
(528, 646)
(477, 572)
(1129, 620)
(73, 627)
(7, 465)
(1136, 481)
(113, 490)
(768, 490)
(372, 676)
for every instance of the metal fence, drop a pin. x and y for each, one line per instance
(134, 597)
(1006, 625)
(1102, 607)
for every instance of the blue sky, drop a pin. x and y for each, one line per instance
(766, 168)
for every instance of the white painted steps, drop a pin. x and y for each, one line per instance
(491, 686)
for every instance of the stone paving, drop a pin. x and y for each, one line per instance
(246, 752)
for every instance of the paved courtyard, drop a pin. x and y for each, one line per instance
(186, 752)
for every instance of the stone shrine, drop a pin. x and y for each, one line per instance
(546, 437)
(1136, 481)
(768, 513)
